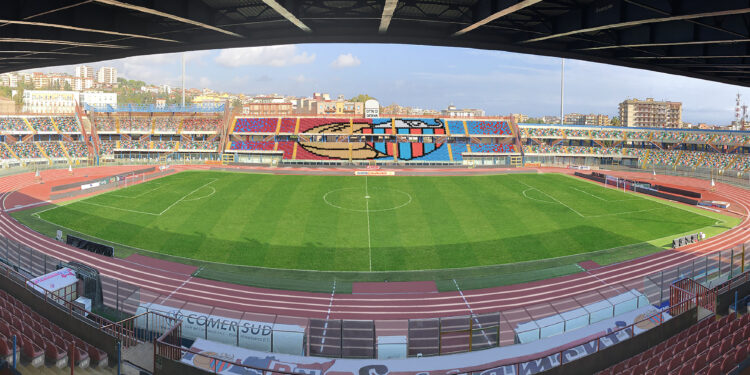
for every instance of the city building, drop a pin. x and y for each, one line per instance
(650, 113)
(106, 75)
(80, 84)
(551, 119)
(45, 101)
(583, 119)
(322, 105)
(518, 117)
(9, 79)
(84, 71)
(98, 98)
(452, 111)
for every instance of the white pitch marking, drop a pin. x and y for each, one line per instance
(139, 195)
(367, 210)
(606, 200)
(555, 199)
(205, 196)
(187, 195)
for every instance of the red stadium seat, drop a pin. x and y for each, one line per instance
(674, 363)
(714, 339)
(714, 370)
(652, 363)
(699, 364)
(618, 368)
(713, 353)
(727, 364)
(662, 370)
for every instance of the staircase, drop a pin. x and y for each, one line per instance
(67, 154)
(41, 150)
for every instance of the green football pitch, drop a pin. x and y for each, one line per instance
(355, 223)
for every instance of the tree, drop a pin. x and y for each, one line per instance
(66, 86)
(615, 121)
(236, 103)
(361, 98)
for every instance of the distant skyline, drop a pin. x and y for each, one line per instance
(432, 77)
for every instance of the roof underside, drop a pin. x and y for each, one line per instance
(695, 38)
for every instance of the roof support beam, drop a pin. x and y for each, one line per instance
(385, 20)
(75, 28)
(166, 15)
(498, 14)
(642, 21)
(691, 43)
(60, 42)
(287, 14)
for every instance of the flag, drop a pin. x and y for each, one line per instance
(712, 183)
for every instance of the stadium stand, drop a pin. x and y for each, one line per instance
(105, 124)
(493, 148)
(42, 124)
(458, 149)
(456, 127)
(135, 124)
(287, 148)
(712, 347)
(306, 124)
(26, 150)
(288, 125)
(252, 145)
(488, 127)
(166, 124)
(41, 340)
(67, 124)
(201, 124)
(76, 149)
(199, 145)
(13, 124)
(256, 125)
(53, 150)
(163, 145)
(134, 145)
(107, 147)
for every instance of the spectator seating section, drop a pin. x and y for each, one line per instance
(440, 153)
(306, 124)
(77, 149)
(256, 125)
(67, 124)
(26, 150)
(253, 145)
(457, 149)
(712, 347)
(4, 154)
(39, 339)
(288, 125)
(107, 147)
(201, 124)
(199, 145)
(134, 145)
(493, 148)
(488, 127)
(287, 148)
(105, 124)
(164, 145)
(456, 127)
(42, 124)
(166, 124)
(53, 150)
(135, 124)
(13, 124)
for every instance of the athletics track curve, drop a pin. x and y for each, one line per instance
(194, 290)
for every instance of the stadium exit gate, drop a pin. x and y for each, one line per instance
(688, 289)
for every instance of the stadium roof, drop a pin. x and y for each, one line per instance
(696, 38)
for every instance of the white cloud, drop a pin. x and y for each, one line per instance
(204, 82)
(300, 78)
(284, 55)
(346, 61)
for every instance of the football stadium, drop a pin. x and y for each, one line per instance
(198, 239)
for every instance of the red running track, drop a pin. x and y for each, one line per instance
(201, 292)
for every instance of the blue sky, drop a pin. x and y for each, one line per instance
(433, 77)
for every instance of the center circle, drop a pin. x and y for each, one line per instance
(375, 199)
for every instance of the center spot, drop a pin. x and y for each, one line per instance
(376, 199)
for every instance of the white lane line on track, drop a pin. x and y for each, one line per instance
(579, 291)
(328, 315)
